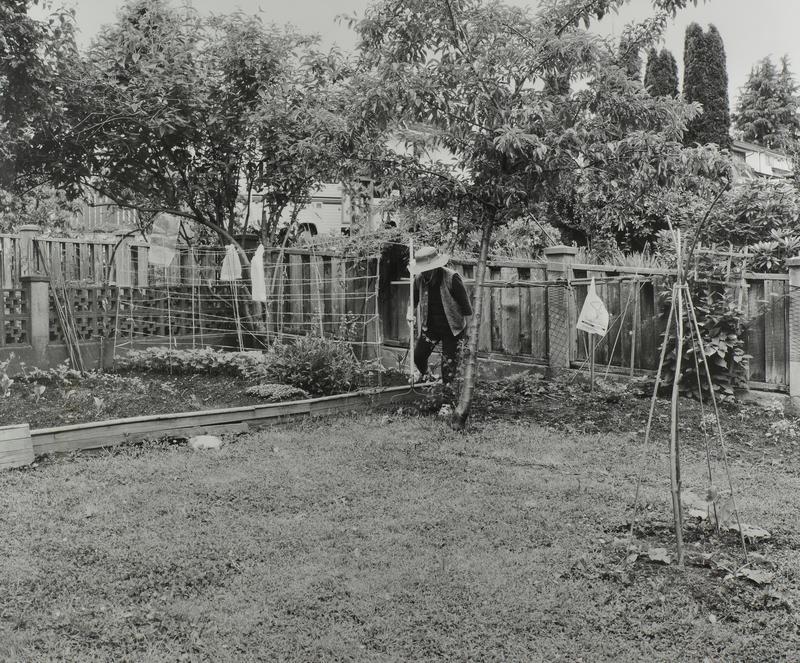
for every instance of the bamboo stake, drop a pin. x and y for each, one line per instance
(194, 329)
(697, 345)
(725, 461)
(200, 313)
(410, 315)
(636, 295)
(591, 362)
(238, 320)
(674, 441)
(378, 322)
(116, 329)
(649, 426)
(674, 449)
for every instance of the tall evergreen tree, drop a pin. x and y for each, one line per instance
(705, 80)
(767, 112)
(661, 73)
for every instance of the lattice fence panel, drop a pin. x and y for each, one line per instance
(13, 317)
(93, 311)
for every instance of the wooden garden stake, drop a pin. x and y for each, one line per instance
(593, 338)
(674, 442)
(674, 450)
(636, 293)
(411, 262)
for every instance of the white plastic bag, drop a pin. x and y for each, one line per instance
(594, 316)
(258, 281)
(231, 265)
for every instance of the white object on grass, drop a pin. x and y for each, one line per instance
(203, 442)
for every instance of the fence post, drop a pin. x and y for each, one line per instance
(794, 332)
(559, 319)
(37, 292)
(27, 256)
(122, 260)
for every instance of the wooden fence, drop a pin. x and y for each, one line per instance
(514, 310)
(529, 311)
(14, 317)
(518, 316)
(637, 301)
(123, 261)
(310, 292)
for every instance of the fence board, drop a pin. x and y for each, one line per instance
(510, 308)
(7, 260)
(524, 315)
(775, 334)
(756, 330)
(538, 319)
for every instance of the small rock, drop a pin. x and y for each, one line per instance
(202, 442)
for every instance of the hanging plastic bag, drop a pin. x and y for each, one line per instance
(594, 316)
(231, 266)
(258, 282)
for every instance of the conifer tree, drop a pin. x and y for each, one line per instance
(705, 80)
(768, 105)
(661, 74)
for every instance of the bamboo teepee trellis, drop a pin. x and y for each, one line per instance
(681, 305)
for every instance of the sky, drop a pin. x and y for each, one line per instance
(751, 29)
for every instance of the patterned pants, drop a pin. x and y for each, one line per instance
(425, 345)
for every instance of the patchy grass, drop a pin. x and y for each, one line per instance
(382, 538)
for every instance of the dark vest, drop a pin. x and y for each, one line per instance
(452, 311)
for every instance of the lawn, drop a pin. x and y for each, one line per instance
(385, 537)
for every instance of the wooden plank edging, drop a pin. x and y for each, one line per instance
(99, 434)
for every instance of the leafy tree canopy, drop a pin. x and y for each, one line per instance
(767, 111)
(472, 77)
(34, 56)
(174, 112)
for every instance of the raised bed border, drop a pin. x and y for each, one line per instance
(100, 434)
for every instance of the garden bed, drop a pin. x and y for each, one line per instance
(161, 381)
(100, 396)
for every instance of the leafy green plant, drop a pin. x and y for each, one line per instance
(60, 374)
(723, 347)
(515, 389)
(274, 393)
(37, 390)
(203, 360)
(318, 365)
(770, 256)
(5, 381)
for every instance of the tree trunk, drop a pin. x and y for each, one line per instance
(471, 362)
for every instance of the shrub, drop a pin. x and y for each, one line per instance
(720, 322)
(770, 256)
(320, 366)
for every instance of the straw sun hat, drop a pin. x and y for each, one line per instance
(426, 259)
